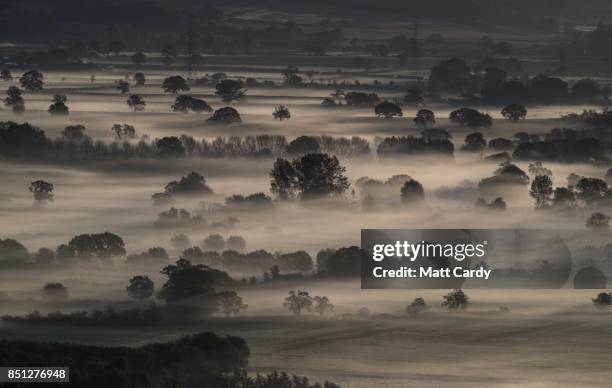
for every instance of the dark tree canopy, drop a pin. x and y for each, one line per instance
(309, 176)
(230, 90)
(102, 246)
(140, 288)
(175, 84)
(32, 80)
(185, 103)
(388, 110)
(225, 115)
(191, 184)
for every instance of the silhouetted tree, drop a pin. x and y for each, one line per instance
(417, 306)
(124, 132)
(32, 80)
(42, 191)
(471, 118)
(388, 110)
(140, 288)
(291, 75)
(175, 84)
(214, 242)
(226, 115)
(102, 246)
(598, 221)
(514, 112)
(591, 190)
(5, 75)
(236, 243)
(136, 102)
(322, 305)
(452, 76)
(474, 142)
(229, 303)
(541, 191)
(230, 90)
(55, 292)
(564, 197)
(14, 100)
(74, 133)
(185, 103)
(122, 86)
(169, 146)
(116, 46)
(456, 300)
(281, 112)
(425, 118)
(44, 257)
(603, 300)
(297, 301)
(140, 79)
(412, 191)
(58, 107)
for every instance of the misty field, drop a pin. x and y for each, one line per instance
(145, 198)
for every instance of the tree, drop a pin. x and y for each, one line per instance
(514, 112)
(140, 288)
(139, 58)
(124, 132)
(297, 301)
(168, 53)
(140, 79)
(564, 197)
(388, 110)
(471, 118)
(361, 99)
(190, 286)
(74, 133)
(32, 80)
(169, 146)
(417, 306)
(412, 191)
(598, 221)
(283, 179)
(474, 142)
(230, 90)
(591, 190)
(319, 175)
(537, 168)
(5, 75)
(603, 300)
(58, 107)
(122, 86)
(236, 243)
(452, 76)
(44, 257)
(322, 305)
(55, 292)
(425, 118)
(229, 303)
(226, 115)
(214, 242)
(14, 100)
(281, 112)
(42, 191)
(136, 102)
(185, 103)
(191, 184)
(102, 246)
(175, 84)
(541, 191)
(290, 75)
(456, 300)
